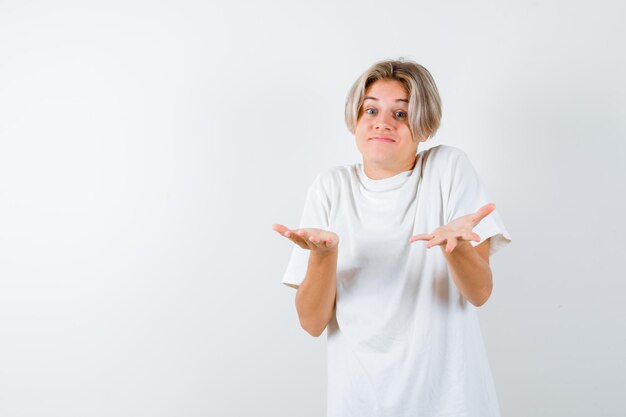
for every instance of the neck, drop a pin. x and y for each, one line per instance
(378, 172)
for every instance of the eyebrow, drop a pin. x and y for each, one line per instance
(375, 99)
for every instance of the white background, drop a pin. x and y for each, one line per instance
(147, 147)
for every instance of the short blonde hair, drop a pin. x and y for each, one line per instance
(424, 112)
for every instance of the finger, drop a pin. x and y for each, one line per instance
(303, 235)
(319, 242)
(422, 236)
(325, 239)
(436, 241)
(295, 237)
(452, 242)
(309, 239)
(301, 244)
(280, 228)
(471, 236)
(485, 210)
(298, 241)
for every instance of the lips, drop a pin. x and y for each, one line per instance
(382, 139)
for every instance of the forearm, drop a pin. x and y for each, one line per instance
(471, 273)
(315, 299)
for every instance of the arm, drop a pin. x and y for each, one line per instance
(469, 267)
(315, 299)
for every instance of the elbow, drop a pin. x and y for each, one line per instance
(484, 297)
(316, 333)
(314, 322)
(479, 303)
(314, 329)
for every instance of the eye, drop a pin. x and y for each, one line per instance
(399, 114)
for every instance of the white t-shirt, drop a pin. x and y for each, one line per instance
(403, 341)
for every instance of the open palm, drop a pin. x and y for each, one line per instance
(458, 229)
(309, 238)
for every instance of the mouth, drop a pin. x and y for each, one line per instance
(382, 139)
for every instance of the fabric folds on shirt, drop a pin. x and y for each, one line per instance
(403, 341)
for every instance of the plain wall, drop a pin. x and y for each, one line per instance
(146, 147)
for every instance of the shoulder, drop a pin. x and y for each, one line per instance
(333, 177)
(445, 153)
(443, 160)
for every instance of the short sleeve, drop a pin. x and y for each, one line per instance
(467, 195)
(314, 215)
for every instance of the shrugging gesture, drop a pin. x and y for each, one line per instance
(458, 229)
(309, 238)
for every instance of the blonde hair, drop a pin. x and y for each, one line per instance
(424, 112)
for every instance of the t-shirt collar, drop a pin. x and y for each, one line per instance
(389, 183)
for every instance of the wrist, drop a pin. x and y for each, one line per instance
(324, 254)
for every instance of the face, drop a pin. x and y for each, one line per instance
(382, 131)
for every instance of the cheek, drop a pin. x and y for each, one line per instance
(406, 132)
(360, 131)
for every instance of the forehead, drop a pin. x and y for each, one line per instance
(386, 90)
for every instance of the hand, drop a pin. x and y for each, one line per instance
(309, 238)
(457, 229)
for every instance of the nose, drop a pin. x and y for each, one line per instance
(383, 122)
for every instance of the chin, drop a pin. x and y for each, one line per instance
(379, 159)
